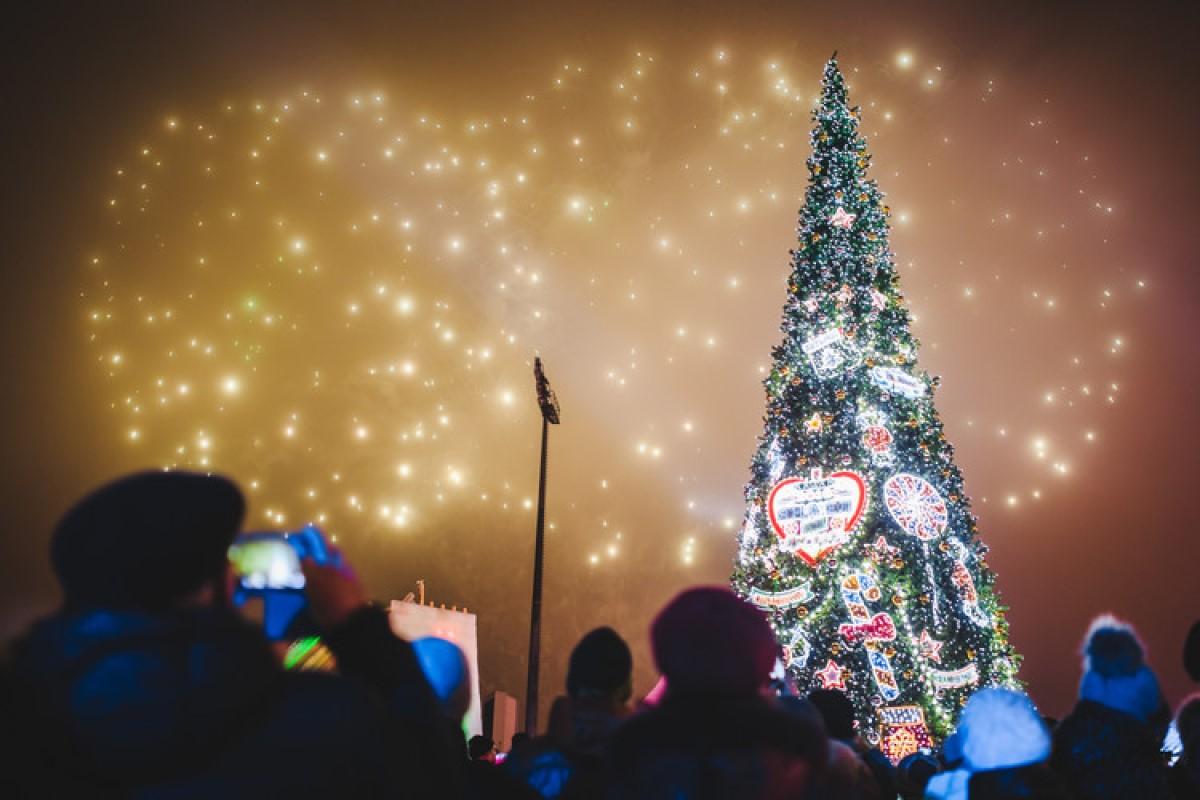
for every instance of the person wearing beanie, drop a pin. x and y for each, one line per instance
(999, 731)
(599, 686)
(715, 732)
(1108, 746)
(567, 762)
(146, 682)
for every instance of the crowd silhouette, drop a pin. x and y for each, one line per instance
(147, 683)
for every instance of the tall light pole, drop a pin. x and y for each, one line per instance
(549, 406)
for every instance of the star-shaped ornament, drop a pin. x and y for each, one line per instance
(841, 219)
(930, 647)
(813, 424)
(831, 676)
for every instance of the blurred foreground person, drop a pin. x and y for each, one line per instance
(147, 684)
(1003, 745)
(1109, 745)
(715, 733)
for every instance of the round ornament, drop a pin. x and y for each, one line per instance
(915, 506)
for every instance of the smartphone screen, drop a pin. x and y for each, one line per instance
(266, 561)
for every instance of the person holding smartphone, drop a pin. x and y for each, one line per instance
(146, 682)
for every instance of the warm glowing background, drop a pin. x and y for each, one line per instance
(317, 251)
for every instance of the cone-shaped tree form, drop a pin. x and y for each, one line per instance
(858, 538)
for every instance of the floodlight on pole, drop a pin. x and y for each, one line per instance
(548, 403)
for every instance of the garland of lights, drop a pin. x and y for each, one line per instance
(858, 539)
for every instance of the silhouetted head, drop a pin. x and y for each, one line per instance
(601, 666)
(1191, 652)
(148, 540)
(1112, 648)
(913, 773)
(709, 640)
(481, 748)
(837, 711)
(1115, 671)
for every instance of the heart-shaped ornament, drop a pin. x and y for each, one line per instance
(814, 516)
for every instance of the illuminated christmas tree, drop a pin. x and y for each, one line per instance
(858, 538)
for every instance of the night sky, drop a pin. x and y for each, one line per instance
(317, 249)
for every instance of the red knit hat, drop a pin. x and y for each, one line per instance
(709, 640)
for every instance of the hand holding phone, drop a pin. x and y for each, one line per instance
(274, 566)
(333, 591)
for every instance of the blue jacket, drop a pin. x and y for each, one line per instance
(194, 704)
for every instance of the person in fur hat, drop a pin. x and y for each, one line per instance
(1001, 736)
(1108, 746)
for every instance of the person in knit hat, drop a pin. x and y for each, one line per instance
(1108, 746)
(709, 640)
(599, 686)
(568, 760)
(715, 732)
(999, 734)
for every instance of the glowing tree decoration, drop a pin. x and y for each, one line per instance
(858, 540)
